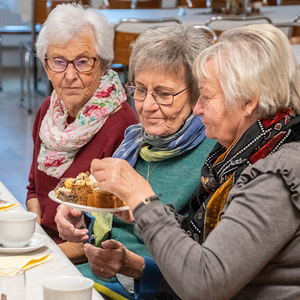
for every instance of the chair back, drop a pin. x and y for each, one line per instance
(245, 19)
(208, 30)
(192, 3)
(123, 39)
(293, 30)
(132, 4)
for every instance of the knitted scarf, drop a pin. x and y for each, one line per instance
(60, 140)
(157, 148)
(223, 167)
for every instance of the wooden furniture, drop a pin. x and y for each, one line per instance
(245, 19)
(293, 29)
(133, 4)
(123, 39)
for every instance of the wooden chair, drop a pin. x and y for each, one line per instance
(133, 4)
(123, 39)
(294, 30)
(246, 19)
(40, 11)
(192, 3)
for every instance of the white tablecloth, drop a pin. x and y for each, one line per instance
(59, 265)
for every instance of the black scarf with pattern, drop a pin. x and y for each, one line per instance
(223, 167)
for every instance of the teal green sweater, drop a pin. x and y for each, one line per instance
(176, 179)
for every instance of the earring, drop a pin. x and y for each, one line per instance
(246, 115)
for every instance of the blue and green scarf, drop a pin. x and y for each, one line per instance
(156, 148)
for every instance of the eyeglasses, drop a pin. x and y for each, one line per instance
(59, 64)
(162, 98)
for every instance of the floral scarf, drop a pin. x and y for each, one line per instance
(60, 140)
(156, 148)
(223, 167)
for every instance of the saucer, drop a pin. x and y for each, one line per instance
(36, 242)
(87, 208)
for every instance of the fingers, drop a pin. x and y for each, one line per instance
(104, 262)
(67, 219)
(125, 216)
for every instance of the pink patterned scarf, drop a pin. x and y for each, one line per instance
(60, 141)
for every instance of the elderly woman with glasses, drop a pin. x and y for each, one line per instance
(86, 115)
(241, 238)
(167, 148)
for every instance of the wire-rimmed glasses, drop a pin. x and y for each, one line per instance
(59, 64)
(162, 98)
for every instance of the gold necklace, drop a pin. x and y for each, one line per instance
(149, 173)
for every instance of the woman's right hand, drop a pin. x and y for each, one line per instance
(70, 224)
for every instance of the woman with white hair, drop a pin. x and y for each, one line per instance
(86, 115)
(241, 238)
(167, 148)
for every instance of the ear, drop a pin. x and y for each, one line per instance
(251, 105)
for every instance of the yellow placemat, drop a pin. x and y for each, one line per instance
(22, 262)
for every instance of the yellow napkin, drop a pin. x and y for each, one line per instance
(22, 262)
(7, 206)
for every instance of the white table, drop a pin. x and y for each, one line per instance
(59, 265)
(278, 14)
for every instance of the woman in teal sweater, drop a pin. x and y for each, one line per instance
(168, 148)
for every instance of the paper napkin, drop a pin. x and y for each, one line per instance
(7, 206)
(22, 262)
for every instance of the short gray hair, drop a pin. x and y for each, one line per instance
(254, 60)
(171, 50)
(67, 20)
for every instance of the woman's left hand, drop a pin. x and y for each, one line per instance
(118, 177)
(113, 258)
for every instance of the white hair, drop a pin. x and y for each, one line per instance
(254, 60)
(68, 20)
(170, 50)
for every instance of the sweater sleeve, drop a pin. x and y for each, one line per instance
(35, 136)
(243, 243)
(150, 284)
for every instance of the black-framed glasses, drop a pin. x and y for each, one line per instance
(82, 64)
(162, 98)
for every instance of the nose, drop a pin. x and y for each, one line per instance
(150, 103)
(71, 72)
(198, 108)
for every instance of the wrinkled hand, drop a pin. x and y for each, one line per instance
(118, 177)
(108, 261)
(125, 216)
(70, 224)
(112, 259)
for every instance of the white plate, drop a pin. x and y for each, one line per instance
(37, 241)
(87, 208)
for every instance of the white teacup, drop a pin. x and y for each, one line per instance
(68, 287)
(17, 228)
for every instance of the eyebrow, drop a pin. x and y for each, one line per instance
(78, 56)
(158, 87)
